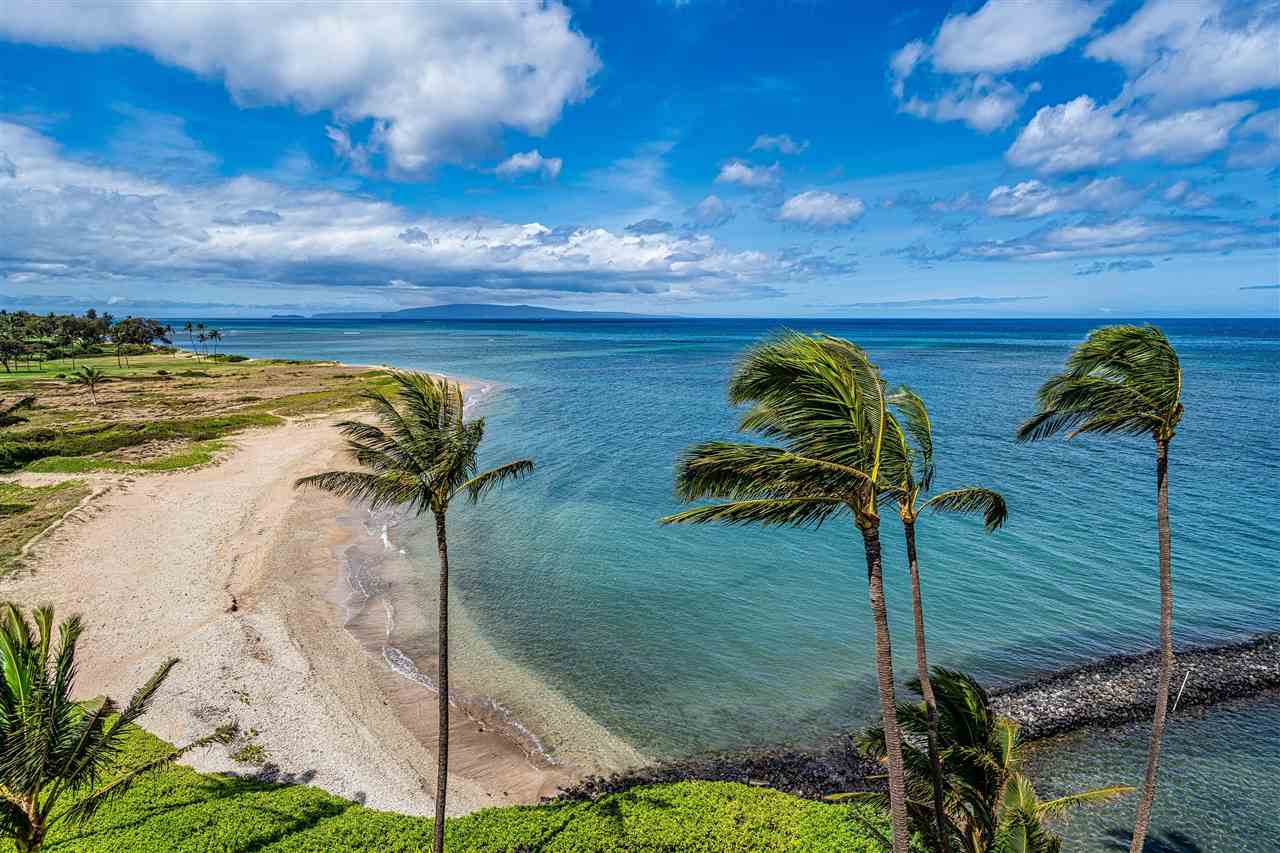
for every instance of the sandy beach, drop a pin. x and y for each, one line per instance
(230, 569)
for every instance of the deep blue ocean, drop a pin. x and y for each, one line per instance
(685, 639)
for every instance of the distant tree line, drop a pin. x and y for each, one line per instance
(28, 339)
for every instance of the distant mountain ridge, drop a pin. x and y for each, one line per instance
(479, 311)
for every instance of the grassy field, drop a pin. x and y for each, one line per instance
(163, 411)
(182, 810)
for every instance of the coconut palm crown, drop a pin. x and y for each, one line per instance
(1122, 379)
(59, 759)
(1126, 380)
(421, 455)
(822, 401)
(991, 805)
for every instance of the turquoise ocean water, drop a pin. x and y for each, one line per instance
(681, 640)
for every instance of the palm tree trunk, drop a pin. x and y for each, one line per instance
(926, 686)
(884, 677)
(1166, 645)
(442, 741)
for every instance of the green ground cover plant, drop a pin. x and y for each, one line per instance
(180, 810)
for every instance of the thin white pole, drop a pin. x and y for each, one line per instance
(1180, 689)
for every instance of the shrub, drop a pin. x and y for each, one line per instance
(183, 811)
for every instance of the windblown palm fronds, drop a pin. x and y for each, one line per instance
(58, 759)
(990, 805)
(1126, 380)
(89, 378)
(822, 403)
(421, 454)
(1122, 379)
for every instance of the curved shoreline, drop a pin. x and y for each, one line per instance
(1104, 693)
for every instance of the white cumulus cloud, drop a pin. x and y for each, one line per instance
(1002, 36)
(440, 81)
(530, 162)
(1080, 134)
(1007, 34)
(1033, 199)
(78, 225)
(783, 144)
(1181, 52)
(747, 175)
(821, 209)
(982, 102)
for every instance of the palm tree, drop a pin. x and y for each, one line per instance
(991, 805)
(215, 336)
(823, 400)
(90, 378)
(9, 414)
(422, 455)
(202, 337)
(190, 330)
(1126, 380)
(916, 441)
(57, 755)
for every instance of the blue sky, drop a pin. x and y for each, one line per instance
(775, 159)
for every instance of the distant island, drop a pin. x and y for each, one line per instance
(478, 311)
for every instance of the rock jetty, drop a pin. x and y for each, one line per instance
(1122, 689)
(1109, 692)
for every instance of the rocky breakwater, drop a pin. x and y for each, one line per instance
(1108, 692)
(1122, 689)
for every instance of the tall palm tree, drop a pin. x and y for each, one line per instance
(421, 455)
(190, 330)
(215, 336)
(202, 337)
(915, 433)
(89, 378)
(991, 805)
(57, 757)
(1126, 380)
(823, 400)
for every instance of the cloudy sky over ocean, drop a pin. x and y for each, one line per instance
(774, 159)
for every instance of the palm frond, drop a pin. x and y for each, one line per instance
(1058, 807)
(970, 500)
(378, 490)
(84, 808)
(721, 469)
(821, 397)
(918, 425)
(1120, 380)
(481, 484)
(791, 512)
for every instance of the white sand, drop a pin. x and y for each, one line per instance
(233, 571)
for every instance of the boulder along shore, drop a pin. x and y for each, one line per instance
(1108, 692)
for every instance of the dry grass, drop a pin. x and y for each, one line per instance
(26, 512)
(170, 390)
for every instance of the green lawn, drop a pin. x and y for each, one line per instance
(182, 810)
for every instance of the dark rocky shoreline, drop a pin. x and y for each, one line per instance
(1121, 689)
(1109, 692)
